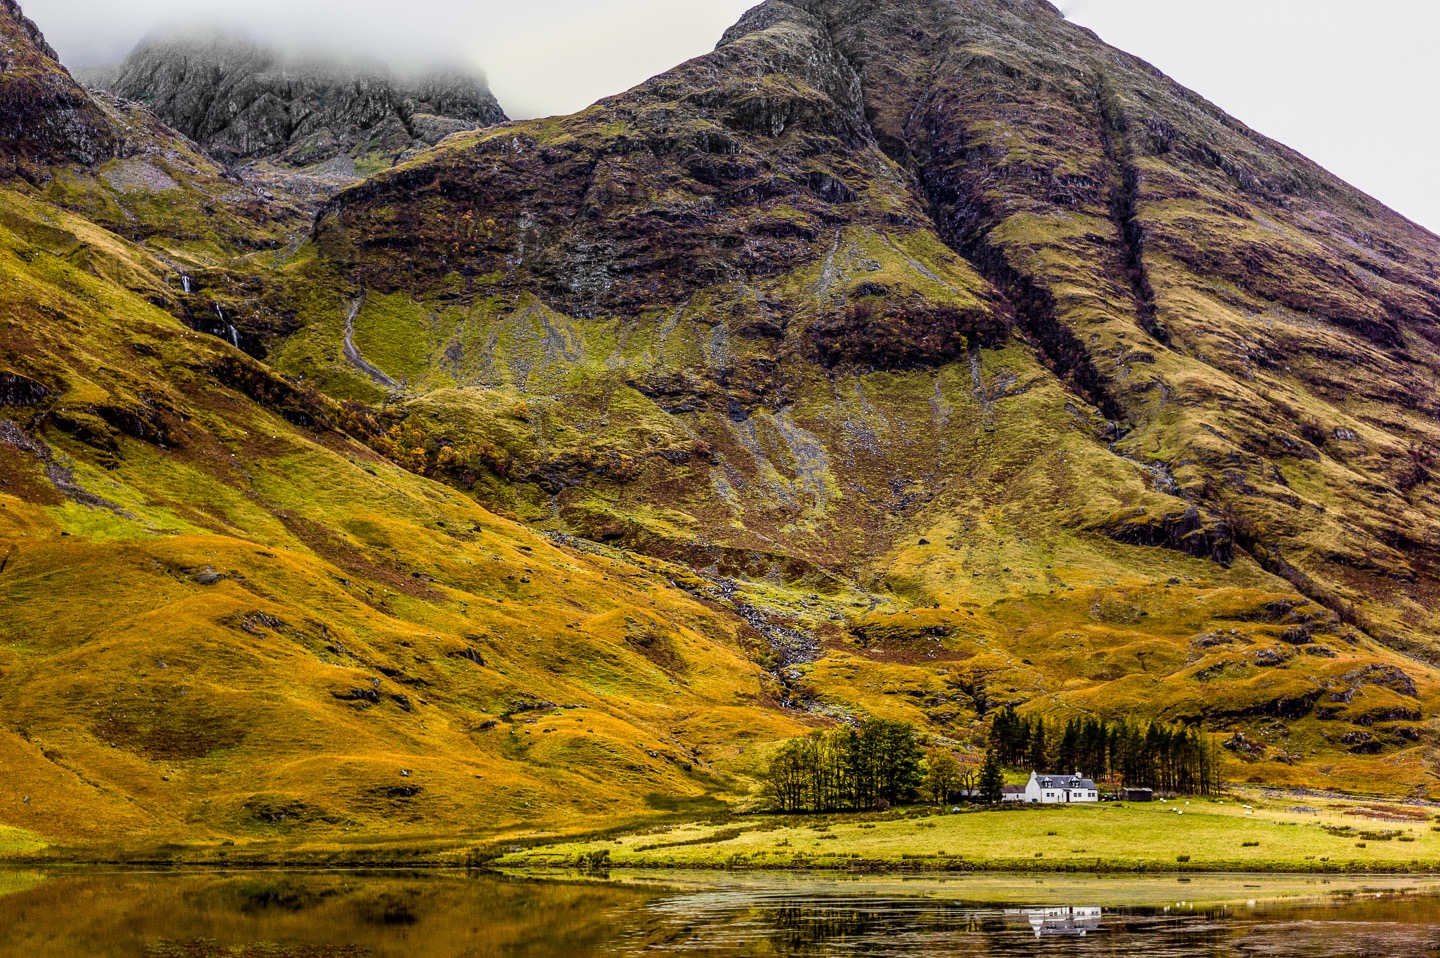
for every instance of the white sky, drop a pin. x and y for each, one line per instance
(1354, 84)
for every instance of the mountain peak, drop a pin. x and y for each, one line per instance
(243, 101)
(1067, 195)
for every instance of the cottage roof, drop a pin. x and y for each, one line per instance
(1064, 781)
(1013, 789)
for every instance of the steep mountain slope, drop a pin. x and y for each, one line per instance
(941, 303)
(1266, 333)
(283, 115)
(44, 117)
(116, 164)
(227, 617)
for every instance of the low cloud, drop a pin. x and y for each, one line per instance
(1352, 85)
(542, 57)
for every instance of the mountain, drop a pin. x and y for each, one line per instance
(245, 103)
(950, 303)
(896, 359)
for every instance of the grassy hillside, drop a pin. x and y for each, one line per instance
(222, 623)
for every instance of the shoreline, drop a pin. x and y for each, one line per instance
(1196, 836)
(1002, 866)
(879, 867)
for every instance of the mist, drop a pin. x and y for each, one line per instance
(1351, 85)
(542, 57)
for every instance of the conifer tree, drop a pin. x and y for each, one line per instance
(1039, 752)
(992, 780)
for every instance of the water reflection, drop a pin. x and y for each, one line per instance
(86, 914)
(747, 923)
(1060, 921)
(899, 918)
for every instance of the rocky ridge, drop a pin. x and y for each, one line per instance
(44, 116)
(243, 102)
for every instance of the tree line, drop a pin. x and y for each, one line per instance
(873, 766)
(883, 763)
(1124, 754)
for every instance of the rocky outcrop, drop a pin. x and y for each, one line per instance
(22, 30)
(241, 101)
(45, 117)
(1183, 529)
(17, 390)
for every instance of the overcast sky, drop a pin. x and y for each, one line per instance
(1354, 84)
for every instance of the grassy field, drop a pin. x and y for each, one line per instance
(17, 841)
(1241, 833)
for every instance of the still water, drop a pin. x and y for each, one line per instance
(90, 914)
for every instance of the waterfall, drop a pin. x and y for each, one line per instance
(231, 331)
(185, 282)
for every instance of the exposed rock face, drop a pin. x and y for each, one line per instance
(44, 116)
(241, 101)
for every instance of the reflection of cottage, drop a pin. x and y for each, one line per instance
(1053, 790)
(1060, 921)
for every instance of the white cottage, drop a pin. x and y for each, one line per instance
(1045, 789)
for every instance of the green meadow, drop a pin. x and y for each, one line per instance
(1220, 834)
